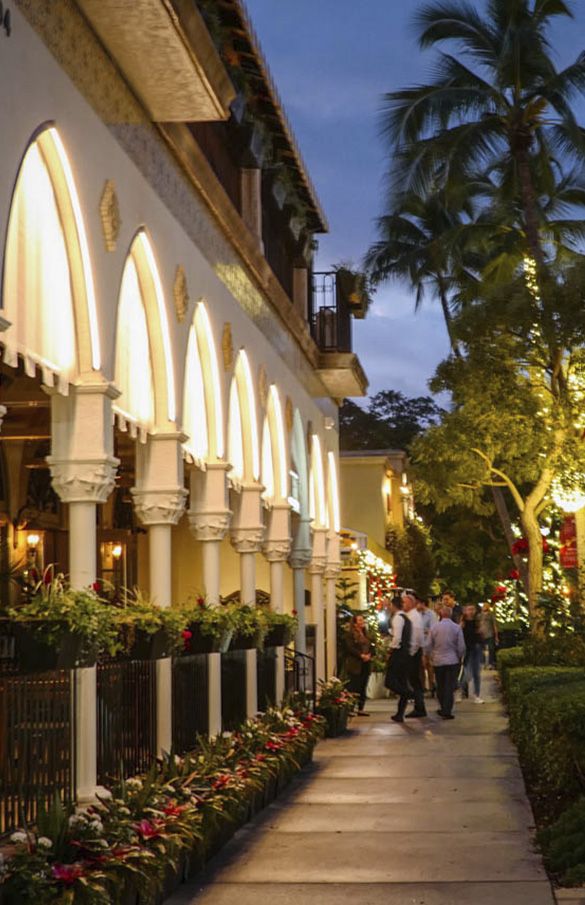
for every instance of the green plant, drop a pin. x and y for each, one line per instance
(563, 846)
(56, 608)
(247, 620)
(274, 620)
(139, 614)
(335, 704)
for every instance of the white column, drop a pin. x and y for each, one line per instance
(83, 472)
(276, 549)
(279, 675)
(316, 570)
(209, 519)
(299, 601)
(246, 536)
(159, 501)
(332, 571)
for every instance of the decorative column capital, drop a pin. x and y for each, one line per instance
(247, 538)
(159, 507)
(300, 559)
(318, 565)
(207, 525)
(276, 549)
(83, 480)
(333, 570)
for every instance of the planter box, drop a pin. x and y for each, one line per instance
(278, 636)
(244, 642)
(36, 655)
(150, 646)
(201, 644)
(336, 723)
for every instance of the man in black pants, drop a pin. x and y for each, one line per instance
(416, 653)
(448, 647)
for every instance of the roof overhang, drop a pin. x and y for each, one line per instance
(164, 50)
(342, 374)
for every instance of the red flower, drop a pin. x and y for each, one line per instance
(515, 574)
(68, 873)
(201, 601)
(295, 612)
(501, 589)
(96, 586)
(173, 810)
(147, 829)
(186, 634)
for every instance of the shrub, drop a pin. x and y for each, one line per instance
(563, 846)
(562, 650)
(547, 723)
(507, 659)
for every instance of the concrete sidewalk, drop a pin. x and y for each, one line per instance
(427, 812)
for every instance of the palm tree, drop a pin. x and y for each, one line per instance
(500, 98)
(412, 246)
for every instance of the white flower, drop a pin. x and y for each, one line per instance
(134, 783)
(105, 794)
(97, 825)
(77, 820)
(124, 810)
(43, 842)
(19, 837)
(102, 843)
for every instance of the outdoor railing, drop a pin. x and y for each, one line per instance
(233, 689)
(126, 717)
(300, 676)
(190, 700)
(329, 315)
(37, 729)
(266, 677)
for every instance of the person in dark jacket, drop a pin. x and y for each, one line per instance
(358, 654)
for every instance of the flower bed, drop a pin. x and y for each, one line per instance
(139, 841)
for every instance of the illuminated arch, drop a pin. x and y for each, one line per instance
(144, 365)
(48, 289)
(333, 514)
(299, 468)
(318, 508)
(275, 469)
(243, 449)
(202, 394)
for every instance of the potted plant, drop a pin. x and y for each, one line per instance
(148, 631)
(281, 628)
(207, 628)
(249, 626)
(63, 628)
(336, 705)
(353, 290)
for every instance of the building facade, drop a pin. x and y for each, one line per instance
(169, 396)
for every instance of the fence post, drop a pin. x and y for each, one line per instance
(251, 683)
(279, 677)
(214, 694)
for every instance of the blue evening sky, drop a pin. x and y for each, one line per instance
(332, 60)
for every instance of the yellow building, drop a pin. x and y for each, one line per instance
(374, 493)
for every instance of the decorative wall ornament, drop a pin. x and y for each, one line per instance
(300, 558)
(110, 215)
(209, 526)
(83, 480)
(288, 414)
(159, 507)
(227, 346)
(262, 386)
(180, 293)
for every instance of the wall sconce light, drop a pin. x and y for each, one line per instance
(33, 540)
(117, 551)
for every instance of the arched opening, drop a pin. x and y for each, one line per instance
(318, 508)
(275, 469)
(143, 363)
(333, 514)
(48, 291)
(211, 383)
(243, 446)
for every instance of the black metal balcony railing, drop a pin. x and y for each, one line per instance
(190, 701)
(330, 316)
(37, 729)
(300, 676)
(126, 718)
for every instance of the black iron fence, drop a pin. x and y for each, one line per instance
(233, 689)
(126, 717)
(266, 665)
(300, 675)
(37, 731)
(190, 700)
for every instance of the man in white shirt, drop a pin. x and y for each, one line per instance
(416, 653)
(399, 662)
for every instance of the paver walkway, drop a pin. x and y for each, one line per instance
(427, 812)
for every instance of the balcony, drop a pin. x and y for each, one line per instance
(330, 314)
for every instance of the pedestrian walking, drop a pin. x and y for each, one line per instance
(416, 655)
(449, 600)
(488, 628)
(399, 662)
(429, 617)
(447, 646)
(473, 652)
(358, 650)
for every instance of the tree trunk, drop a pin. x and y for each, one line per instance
(532, 531)
(502, 510)
(447, 315)
(529, 207)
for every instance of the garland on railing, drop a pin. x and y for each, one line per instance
(142, 837)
